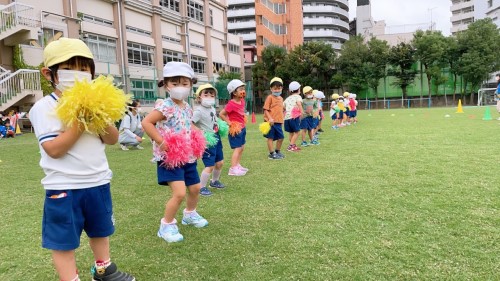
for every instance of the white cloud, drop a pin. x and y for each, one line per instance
(409, 12)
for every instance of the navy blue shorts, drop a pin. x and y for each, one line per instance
(340, 115)
(307, 123)
(238, 140)
(66, 213)
(334, 116)
(315, 123)
(354, 113)
(348, 112)
(276, 132)
(187, 173)
(213, 154)
(292, 125)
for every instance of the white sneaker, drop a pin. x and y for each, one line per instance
(139, 147)
(123, 147)
(194, 219)
(170, 232)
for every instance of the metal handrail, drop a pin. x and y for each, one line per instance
(15, 83)
(17, 14)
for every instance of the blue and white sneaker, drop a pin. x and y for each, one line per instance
(304, 143)
(170, 232)
(217, 184)
(194, 219)
(204, 191)
(315, 142)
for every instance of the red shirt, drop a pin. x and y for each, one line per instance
(236, 111)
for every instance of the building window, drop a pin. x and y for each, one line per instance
(103, 48)
(171, 39)
(170, 4)
(143, 89)
(89, 18)
(234, 48)
(197, 46)
(218, 67)
(275, 28)
(198, 64)
(195, 10)
(277, 8)
(140, 54)
(211, 17)
(171, 56)
(138, 30)
(234, 69)
(47, 35)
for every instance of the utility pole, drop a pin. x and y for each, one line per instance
(432, 24)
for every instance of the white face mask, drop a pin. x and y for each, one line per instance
(179, 93)
(139, 109)
(207, 102)
(67, 78)
(309, 96)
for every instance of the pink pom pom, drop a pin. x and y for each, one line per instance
(296, 112)
(198, 143)
(178, 149)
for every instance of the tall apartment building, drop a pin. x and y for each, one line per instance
(493, 11)
(326, 21)
(288, 23)
(465, 12)
(132, 39)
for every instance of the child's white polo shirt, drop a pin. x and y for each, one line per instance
(84, 165)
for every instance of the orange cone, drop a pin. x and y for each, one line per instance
(253, 118)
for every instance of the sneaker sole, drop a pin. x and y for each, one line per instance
(236, 175)
(185, 223)
(159, 235)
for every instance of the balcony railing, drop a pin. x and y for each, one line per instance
(14, 83)
(326, 34)
(325, 21)
(16, 14)
(325, 9)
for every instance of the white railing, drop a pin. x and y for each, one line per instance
(16, 14)
(3, 72)
(15, 83)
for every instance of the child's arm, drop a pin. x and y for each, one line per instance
(60, 145)
(111, 135)
(148, 124)
(223, 116)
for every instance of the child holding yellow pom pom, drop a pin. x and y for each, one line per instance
(273, 113)
(234, 115)
(176, 149)
(205, 118)
(76, 168)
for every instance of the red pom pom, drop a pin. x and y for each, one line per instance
(296, 112)
(198, 143)
(178, 149)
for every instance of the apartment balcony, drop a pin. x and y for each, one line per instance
(325, 21)
(323, 33)
(240, 13)
(239, 2)
(460, 6)
(462, 16)
(325, 9)
(241, 25)
(248, 36)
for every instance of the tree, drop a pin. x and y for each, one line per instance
(376, 63)
(480, 43)
(352, 65)
(452, 54)
(402, 58)
(271, 63)
(429, 50)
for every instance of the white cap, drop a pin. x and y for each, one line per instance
(294, 86)
(176, 68)
(319, 95)
(233, 85)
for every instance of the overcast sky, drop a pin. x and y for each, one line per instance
(400, 12)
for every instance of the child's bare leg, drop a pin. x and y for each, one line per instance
(174, 203)
(193, 197)
(65, 264)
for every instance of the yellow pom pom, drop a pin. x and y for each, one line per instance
(264, 128)
(96, 104)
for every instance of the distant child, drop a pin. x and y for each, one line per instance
(353, 104)
(130, 129)
(7, 131)
(234, 115)
(497, 93)
(77, 189)
(205, 118)
(293, 111)
(173, 118)
(341, 113)
(273, 113)
(334, 111)
(319, 97)
(347, 112)
(307, 123)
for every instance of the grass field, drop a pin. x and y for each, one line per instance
(403, 195)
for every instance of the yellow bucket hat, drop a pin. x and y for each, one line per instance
(63, 49)
(204, 87)
(307, 89)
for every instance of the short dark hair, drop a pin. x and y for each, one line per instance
(276, 83)
(177, 79)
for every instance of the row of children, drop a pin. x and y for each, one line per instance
(343, 110)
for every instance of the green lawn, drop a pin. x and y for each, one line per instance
(402, 195)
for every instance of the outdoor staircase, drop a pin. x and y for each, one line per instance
(20, 88)
(17, 24)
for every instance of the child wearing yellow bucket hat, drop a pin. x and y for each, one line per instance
(76, 169)
(205, 118)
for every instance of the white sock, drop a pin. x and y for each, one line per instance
(216, 175)
(204, 179)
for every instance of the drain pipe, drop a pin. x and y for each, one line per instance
(124, 77)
